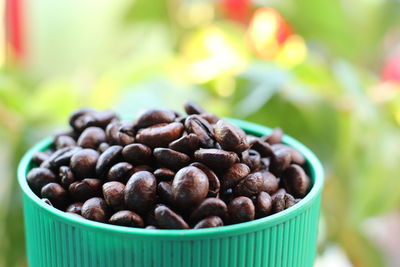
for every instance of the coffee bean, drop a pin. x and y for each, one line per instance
(211, 118)
(140, 191)
(280, 161)
(39, 177)
(209, 207)
(113, 193)
(265, 163)
(230, 137)
(55, 193)
(275, 137)
(281, 202)
(99, 119)
(193, 108)
(62, 141)
(200, 127)
(216, 158)
(296, 181)
(120, 133)
(154, 116)
(112, 132)
(66, 175)
(186, 144)
(170, 158)
(263, 204)
(168, 219)
(120, 172)
(108, 158)
(256, 182)
(252, 159)
(83, 162)
(75, 208)
(39, 157)
(213, 181)
(241, 209)
(95, 209)
(85, 189)
(232, 176)
(60, 157)
(91, 137)
(73, 120)
(296, 156)
(160, 135)
(164, 191)
(103, 147)
(164, 174)
(136, 153)
(127, 218)
(263, 148)
(212, 221)
(189, 187)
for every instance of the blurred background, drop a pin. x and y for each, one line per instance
(326, 71)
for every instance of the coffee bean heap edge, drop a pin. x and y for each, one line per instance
(166, 170)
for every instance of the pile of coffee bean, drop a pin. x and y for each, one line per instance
(166, 170)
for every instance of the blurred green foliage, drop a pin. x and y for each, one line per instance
(331, 101)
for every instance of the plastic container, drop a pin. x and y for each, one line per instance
(288, 238)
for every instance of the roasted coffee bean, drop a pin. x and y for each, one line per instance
(108, 158)
(99, 119)
(95, 209)
(113, 193)
(85, 189)
(256, 182)
(211, 118)
(241, 209)
(212, 221)
(75, 208)
(189, 187)
(39, 177)
(112, 132)
(164, 191)
(103, 147)
(275, 137)
(168, 219)
(62, 141)
(120, 133)
(39, 157)
(83, 163)
(296, 156)
(252, 159)
(232, 176)
(160, 135)
(60, 157)
(154, 116)
(66, 175)
(48, 202)
(263, 204)
(200, 127)
(216, 158)
(296, 181)
(280, 161)
(120, 172)
(136, 153)
(170, 158)
(186, 144)
(55, 193)
(209, 207)
(281, 202)
(263, 148)
(193, 108)
(127, 218)
(164, 174)
(74, 118)
(213, 181)
(140, 191)
(230, 137)
(91, 137)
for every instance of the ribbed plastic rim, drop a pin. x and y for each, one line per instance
(313, 162)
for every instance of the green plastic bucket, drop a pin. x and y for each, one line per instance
(288, 238)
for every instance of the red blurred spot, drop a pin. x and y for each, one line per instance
(14, 27)
(237, 10)
(391, 69)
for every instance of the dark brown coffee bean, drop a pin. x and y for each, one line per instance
(95, 209)
(216, 158)
(282, 201)
(200, 127)
(275, 137)
(164, 191)
(213, 181)
(170, 158)
(154, 116)
(230, 137)
(193, 108)
(211, 118)
(61, 157)
(152, 227)
(112, 132)
(241, 209)
(164, 174)
(73, 120)
(55, 193)
(85, 189)
(126, 134)
(296, 156)
(91, 137)
(103, 147)
(263, 204)
(296, 181)
(83, 162)
(75, 208)
(127, 218)
(40, 157)
(263, 148)
(136, 153)
(252, 159)
(107, 159)
(280, 161)
(212, 221)
(209, 207)
(62, 141)
(39, 177)
(66, 175)
(168, 219)
(140, 191)
(189, 187)
(113, 193)
(45, 200)
(186, 144)
(256, 182)
(120, 172)
(232, 176)
(160, 135)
